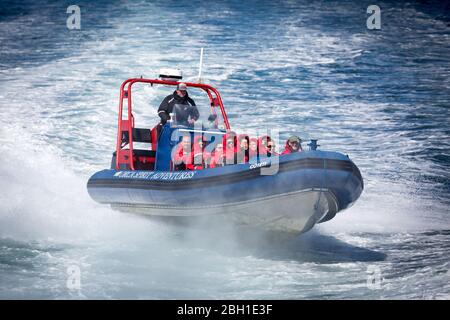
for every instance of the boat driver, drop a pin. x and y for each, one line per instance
(179, 102)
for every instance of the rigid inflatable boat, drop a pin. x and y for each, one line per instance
(289, 193)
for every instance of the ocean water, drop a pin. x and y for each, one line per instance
(312, 68)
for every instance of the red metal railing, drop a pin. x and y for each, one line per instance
(125, 156)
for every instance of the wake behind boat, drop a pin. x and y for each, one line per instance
(195, 165)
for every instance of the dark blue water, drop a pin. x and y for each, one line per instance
(381, 96)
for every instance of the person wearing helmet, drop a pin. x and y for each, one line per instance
(293, 144)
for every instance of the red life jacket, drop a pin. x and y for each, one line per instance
(217, 159)
(262, 150)
(199, 158)
(230, 152)
(181, 157)
(252, 153)
(287, 149)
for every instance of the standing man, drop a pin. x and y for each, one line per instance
(186, 111)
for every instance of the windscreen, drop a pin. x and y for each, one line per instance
(147, 99)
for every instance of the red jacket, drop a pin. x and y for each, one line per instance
(252, 153)
(230, 152)
(287, 149)
(217, 159)
(182, 158)
(199, 157)
(262, 143)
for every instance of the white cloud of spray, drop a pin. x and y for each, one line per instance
(43, 198)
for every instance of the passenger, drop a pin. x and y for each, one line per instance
(293, 144)
(271, 149)
(263, 140)
(243, 150)
(188, 112)
(201, 158)
(253, 147)
(182, 157)
(230, 147)
(218, 156)
(262, 145)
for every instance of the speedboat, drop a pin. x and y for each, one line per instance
(289, 193)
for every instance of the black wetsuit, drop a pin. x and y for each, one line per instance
(185, 108)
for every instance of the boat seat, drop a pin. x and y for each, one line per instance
(139, 135)
(142, 159)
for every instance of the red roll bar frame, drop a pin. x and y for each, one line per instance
(125, 156)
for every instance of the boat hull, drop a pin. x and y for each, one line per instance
(290, 194)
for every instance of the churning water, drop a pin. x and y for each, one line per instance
(381, 96)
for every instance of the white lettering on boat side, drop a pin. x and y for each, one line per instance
(155, 175)
(258, 165)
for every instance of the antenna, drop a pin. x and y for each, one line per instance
(200, 67)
